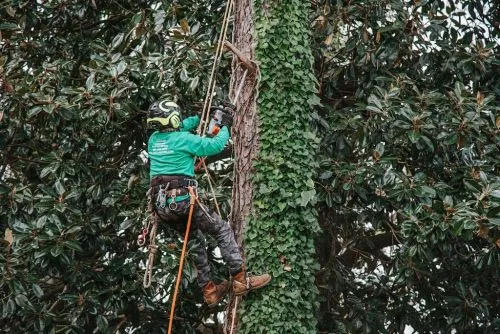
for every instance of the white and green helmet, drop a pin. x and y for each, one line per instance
(164, 115)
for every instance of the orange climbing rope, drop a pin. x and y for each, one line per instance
(192, 200)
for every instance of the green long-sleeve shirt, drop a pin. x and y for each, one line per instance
(173, 153)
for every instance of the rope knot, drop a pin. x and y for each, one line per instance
(153, 249)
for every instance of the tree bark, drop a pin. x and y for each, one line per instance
(244, 131)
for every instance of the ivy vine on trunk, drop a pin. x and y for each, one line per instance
(280, 233)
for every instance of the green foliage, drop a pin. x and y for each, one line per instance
(407, 195)
(410, 156)
(280, 235)
(76, 79)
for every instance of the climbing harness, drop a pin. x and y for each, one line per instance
(192, 201)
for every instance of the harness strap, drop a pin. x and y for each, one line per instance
(176, 192)
(173, 181)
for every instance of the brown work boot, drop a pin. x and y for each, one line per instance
(242, 283)
(213, 293)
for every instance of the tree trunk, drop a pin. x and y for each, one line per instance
(244, 131)
(275, 162)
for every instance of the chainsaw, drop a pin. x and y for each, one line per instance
(222, 116)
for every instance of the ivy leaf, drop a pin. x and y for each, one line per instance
(306, 197)
(326, 175)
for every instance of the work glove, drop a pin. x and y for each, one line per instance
(227, 120)
(228, 110)
(228, 107)
(223, 114)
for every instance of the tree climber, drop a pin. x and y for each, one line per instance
(172, 149)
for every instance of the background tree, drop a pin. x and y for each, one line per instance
(410, 151)
(76, 79)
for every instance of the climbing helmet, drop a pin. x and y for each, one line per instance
(164, 115)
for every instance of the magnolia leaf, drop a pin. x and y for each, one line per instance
(429, 191)
(59, 187)
(23, 301)
(115, 57)
(102, 323)
(194, 83)
(73, 245)
(494, 221)
(121, 67)
(37, 290)
(117, 41)
(89, 83)
(379, 149)
(184, 75)
(127, 223)
(9, 26)
(195, 28)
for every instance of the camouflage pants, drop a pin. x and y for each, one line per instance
(205, 221)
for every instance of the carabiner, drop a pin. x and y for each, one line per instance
(141, 238)
(173, 205)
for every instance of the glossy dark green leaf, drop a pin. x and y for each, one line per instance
(37, 290)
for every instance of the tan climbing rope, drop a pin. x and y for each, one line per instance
(205, 115)
(152, 221)
(233, 315)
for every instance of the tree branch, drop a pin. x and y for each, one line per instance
(250, 65)
(369, 245)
